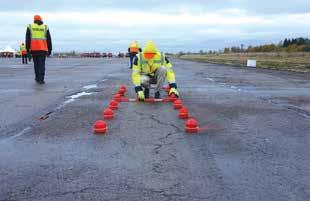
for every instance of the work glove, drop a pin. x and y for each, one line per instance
(140, 95)
(174, 91)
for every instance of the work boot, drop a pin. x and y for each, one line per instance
(146, 92)
(157, 95)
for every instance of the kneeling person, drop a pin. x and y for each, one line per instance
(152, 67)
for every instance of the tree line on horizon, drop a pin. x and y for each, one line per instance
(287, 45)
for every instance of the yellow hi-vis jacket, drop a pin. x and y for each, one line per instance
(143, 66)
(22, 49)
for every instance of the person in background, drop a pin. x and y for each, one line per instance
(39, 44)
(23, 53)
(133, 50)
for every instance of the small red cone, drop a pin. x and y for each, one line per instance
(123, 87)
(121, 92)
(183, 113)
(172, 98)
(100, 127)
(108, 114)
(191, 126)
(118, 97)
(167, 89)
(113, 105)
(177, 104)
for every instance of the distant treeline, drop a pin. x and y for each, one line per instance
(288, 45)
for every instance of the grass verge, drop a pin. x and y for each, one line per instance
(296, 62)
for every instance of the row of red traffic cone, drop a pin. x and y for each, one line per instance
(100, 126)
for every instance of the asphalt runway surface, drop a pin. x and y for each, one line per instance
(255, 142)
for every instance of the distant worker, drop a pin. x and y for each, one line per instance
(152, 67)
(23, 53)
(39, 44)
(133, 50)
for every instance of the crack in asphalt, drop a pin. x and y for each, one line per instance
(300, 111)
(153, 117)
(164, 123)
(287, 106)
(167, 136)
(159, 146)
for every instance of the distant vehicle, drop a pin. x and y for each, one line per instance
(104, 54)
(95, 54)
(7, 52)
(62, 56)
(85, 54)
(127, 54)
(121, 55)
(110, 54)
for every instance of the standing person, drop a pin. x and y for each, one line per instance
(23, 53)
(39, 44)
(152, 67)
(133, 50)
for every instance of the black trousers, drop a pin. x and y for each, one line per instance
(39, 66)
(131, 57)
(24, 59)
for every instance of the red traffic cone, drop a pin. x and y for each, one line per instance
(177, 104)
(167, 89)
(172, 98)
(100, 127)
(118, 97)
(191, 126)
(183, 113)
(123, 87)
(121, 91)
(108, 114)
(113, 105)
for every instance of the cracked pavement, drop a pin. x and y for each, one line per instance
(254, 144)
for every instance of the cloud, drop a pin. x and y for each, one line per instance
(113, 29)
(196, 6)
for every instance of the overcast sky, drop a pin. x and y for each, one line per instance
(173, 25)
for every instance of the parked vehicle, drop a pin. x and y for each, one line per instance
(121, 55)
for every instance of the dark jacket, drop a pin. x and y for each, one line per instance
(48, 38)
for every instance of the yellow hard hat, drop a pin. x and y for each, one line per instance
(150, 47)
(149, 50)
(134, 44)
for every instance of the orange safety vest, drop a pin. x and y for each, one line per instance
(23, 50)
(134, 49)
(38, 37)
